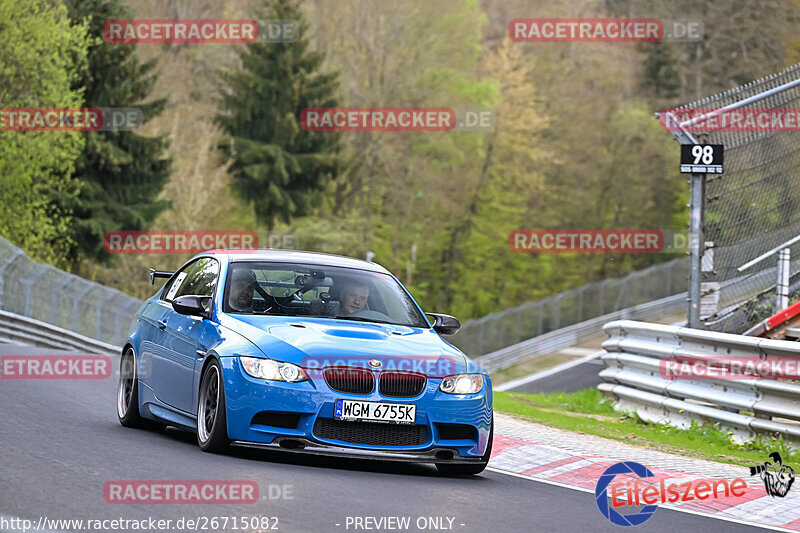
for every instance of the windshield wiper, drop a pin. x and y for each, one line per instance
(340, 317)
(362, 319)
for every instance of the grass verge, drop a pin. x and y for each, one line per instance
(586, 412)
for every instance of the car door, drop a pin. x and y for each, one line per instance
(184, 338)
(153, 347)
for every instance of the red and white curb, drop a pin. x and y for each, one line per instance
(561, 458)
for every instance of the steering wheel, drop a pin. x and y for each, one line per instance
(370, 314)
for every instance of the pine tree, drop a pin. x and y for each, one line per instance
(122, 172)
(277, 166)
(660, 77)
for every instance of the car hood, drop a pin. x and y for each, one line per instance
(321, 342)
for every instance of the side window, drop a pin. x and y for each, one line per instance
(171, 289)
(200, 279)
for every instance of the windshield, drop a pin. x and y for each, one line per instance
(287, 289)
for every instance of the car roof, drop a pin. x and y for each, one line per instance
(297, 256)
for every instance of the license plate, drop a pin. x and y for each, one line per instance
(398, 413)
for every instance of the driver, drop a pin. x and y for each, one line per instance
(243, 283)
(353, 297)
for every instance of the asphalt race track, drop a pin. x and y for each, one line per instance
(582, 376)
(62, 442)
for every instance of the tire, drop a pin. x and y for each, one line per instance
(212, 424)
(470, 469)
(128, 395)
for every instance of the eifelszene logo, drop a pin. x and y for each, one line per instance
(641, 492)
(601, 494)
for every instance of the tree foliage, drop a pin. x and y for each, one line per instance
(122, 172)
(574, 144)
(40, 61)
(279, 168)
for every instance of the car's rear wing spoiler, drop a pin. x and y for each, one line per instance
(159, 274)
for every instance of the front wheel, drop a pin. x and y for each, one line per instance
(212, 425)
(472, 469)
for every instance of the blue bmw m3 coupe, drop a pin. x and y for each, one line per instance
(305, 352)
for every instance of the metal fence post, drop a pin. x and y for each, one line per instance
(602, 297)
(76, 308)
(7, 261)
(557, 312)
(782, 286)
(28, 282)
(696, 245)
(541, 317)
(623, 293)
(101, 310)
(482, 338)
(668, 283)
(56, 291)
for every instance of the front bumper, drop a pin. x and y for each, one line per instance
(313, 400)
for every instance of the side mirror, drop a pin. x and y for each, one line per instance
(445, 324)
(193, 305)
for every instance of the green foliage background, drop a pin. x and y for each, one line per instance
(41, 57)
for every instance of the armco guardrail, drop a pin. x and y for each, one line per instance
(634, 379)
(24, 330)
(570, 335)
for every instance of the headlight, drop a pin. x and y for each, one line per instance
(272, 370)
(462, 384)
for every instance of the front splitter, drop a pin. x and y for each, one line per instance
(302, 445)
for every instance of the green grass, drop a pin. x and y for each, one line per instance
(586, 412)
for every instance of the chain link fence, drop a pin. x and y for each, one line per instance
(755, 205)
(51, 295)
(492, 332)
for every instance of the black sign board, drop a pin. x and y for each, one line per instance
(701, 158)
